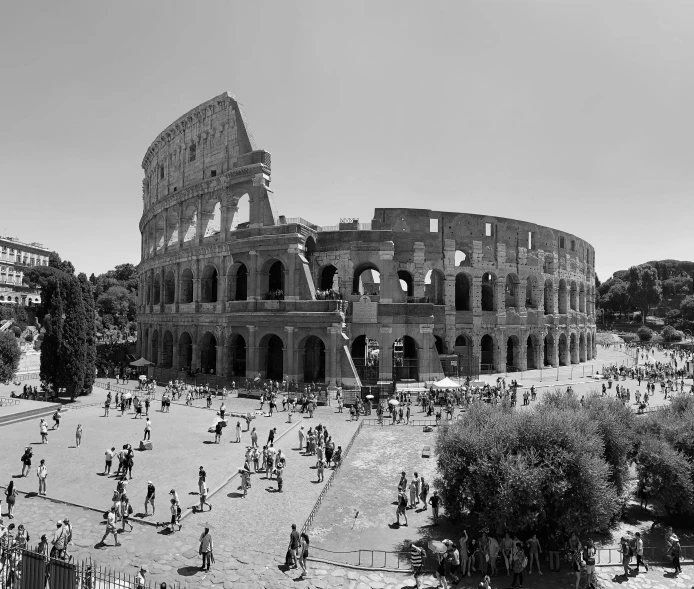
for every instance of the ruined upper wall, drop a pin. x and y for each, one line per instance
(205, 142)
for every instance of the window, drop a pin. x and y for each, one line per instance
(213, 173)
(433, 225)
(561, 242)
(175, 188)
(191, 153)
(488, 229)
(573, 245)
(161, 172)
(530, 240)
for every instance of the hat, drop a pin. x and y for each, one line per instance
(149, 482)
(143, 568)
(66, 521)
(59, 523)
(674, 538)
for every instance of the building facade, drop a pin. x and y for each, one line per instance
(15, 256)
(409, 296)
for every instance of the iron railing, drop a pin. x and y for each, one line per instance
(8, 401)
(371, 559)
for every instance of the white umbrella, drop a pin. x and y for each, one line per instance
(437, 547)
(394, 402)
(142, 377)
(369, 396)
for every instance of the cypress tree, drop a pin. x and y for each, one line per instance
(53, 308)
(73, 349)
(90, 340)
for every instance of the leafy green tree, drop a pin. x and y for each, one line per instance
(644, 288)
(645, 334)
(73, 351)
(90, 340)
(120, 303)
(687, 308)
(10, 355)
(54, 261)
(617, 298)
(670, 334)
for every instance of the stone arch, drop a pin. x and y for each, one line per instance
(406, 282)
(167, 350)
(237, 355)
(548, 349)
(487, 288)
(531, 292)
(549, 297)
(366, 279)
(434, 287)
(366, 357)
(312, 359)
(156, 294)
(459, 258)
(189, 221)
(328, 278)
(564, 359)
(186, 286)
(589, 346)
(242, 213)
(582, 298)
(154, 352)
(169, 288)
(548, 264)
(487, 352)
(573, 348)
(172, 228)
(531, 359)
(310, 248)
(513, 353)
(582, 347)
(238, 282)
(563, 297)
(209, 283)
(272, 275)
(511, 291)
(208, 353)
(463, 290)
(271, 357)
(151, 237)
(405, 359)
(211, 216)
(573, 296)
(160, 235)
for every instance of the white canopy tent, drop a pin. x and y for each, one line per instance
(446, 383)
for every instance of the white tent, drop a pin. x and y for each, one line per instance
(446, 383)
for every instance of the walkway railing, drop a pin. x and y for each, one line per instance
(8, 401)
(28, 376)
(372, 559)
(121, 389)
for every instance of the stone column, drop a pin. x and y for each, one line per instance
(174, 359)
(162, 288)
(198, 226)
(160, 346)
(220, 349)
(195, 360)
(385, 369)
(500, 350)
(177, 287)
(554, 349)
(521, 295)
(226, 359)
(253, 284)
(331, 371)
(555, 299)
(386, 290)
(290, 286)
(181, 232)
(290, 363)
(251, 352)
(166, 230)
(475, 295)
(500, 297)
(222, 286)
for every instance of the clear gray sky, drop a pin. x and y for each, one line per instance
(576, 114)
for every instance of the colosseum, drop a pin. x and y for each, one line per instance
(409, 296)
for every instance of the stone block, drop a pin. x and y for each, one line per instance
(145, 444)
(426, 452)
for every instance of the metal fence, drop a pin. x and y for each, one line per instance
(370, 559)
(121, 389)
(27, 376)
(8, 401)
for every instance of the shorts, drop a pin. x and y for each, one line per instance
(173, 520)
(590, 569)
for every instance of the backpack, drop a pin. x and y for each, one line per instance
(178, 511)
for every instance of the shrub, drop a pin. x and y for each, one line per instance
(28, 338)
(670, 334)
(645, 334)
(9, 356)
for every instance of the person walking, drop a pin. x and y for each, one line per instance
(434, 501)
(295, 545)
(109, 460)
(56, 420)
(417, 556)
(206, 546)
(639, 552)
(303, 551)
(26, 460)
(126, 510)
(519, 561)
(43, 428)
(254, 438)
(78, 435)
(11, 495)
(218, 432)
(149, 499)
(535, 550)
(148, 430)
(204, 491)
(589, 558)
(402, 507)
(675, 553)
(111, 527)
(238, 432)
(42, 474)
(175, 516)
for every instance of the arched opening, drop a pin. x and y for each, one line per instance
(459, 258)
(157, 289)
(573, 349)
(310, 248)
(209, 284)
(582, 347)
(271, 357)
(367, 280)
(563, 350)
(275, 280)
(406, 283)
(511, 290)
(487, 353)
(190, 222)
(549, 297)
(313, 359)
(582, 299)
(169, 288)
(405, 364)
(530, 294)
(438, 342)
(208, 354)
(547, 264)
(241, 293)
(531, 361)
(488, 283)
(187, 286)
(242, 215)
(512, 353)
(563, 296)
(328, 278)
(462, 292)
(167, 350)
(211, 218)
(172, 226)
(159, 231)
(237, 355)
(155, 347)
(365, 355)
(434, 287)
(463, 350)
(185, 351)
(549, 349)
(573, 299)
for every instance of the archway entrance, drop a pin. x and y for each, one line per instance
(549, 350)
(209, 284)
(328, 280)
(488, 284)
(405, 364)
(463, 350)
(563, 350)
(186, 286)
(185, 351)
(462, 292)
(573, 349)
(365, 355)
(237, 356)
(406, 283)
(276, 277)
(169, 288)
(314, 360)
(512, 349)
(487, 353)
(530, 354)
(582, 347)
(241, 290)
(366, 281)
(271, 357)
(167, 351)
(434, 287)
(208, 354)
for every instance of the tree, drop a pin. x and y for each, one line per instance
(10, 355)
(644, 288)
(90, 340)
(670, 334)
(120, 303)
(687, 308)
(645, 334)
(54, 261)
(617, 298)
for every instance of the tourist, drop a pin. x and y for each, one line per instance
(175, 516)
(417, 556)
(303, 551)
(302, 436)
(589, 558)
(42, 474)
(222, 410)
(519, 562)
(639, 552)
(254, 438)
(42, 548)
(507, 552)
(107, 405)
(129, 461)
(43, 428)
(126, 510)
(204, 490)
(295, 546)
(402, 485)
(424, 491)
(147, 407)
(206, 546)
(279, 469)
(434, 501)
(271, 436)
(625, 550)
(493, 554)
(26, 460)
(149, 499)
(453, 559)
(218, 432)
(11, 495)
(56, 419)
(675, 553)
(238, 432)
(109, 460)
(59, 541)
(320, 470)
(414, 496)
(78, 435)
(22, 539)
(402, 508)
(148, 430)
(534, 548)
(441, 570)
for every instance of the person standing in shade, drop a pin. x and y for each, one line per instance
(148, 430)
(639, 552)
(295, 545)
(434, 501)
(417, 556)
(206, 546)
(149, 500)
(78, 435)
(42, 474)
(535, 550)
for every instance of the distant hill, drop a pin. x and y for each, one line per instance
(672, 268)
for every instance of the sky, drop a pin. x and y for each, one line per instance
(576, 115)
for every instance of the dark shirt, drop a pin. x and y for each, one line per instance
(150, 491)
(294, 539)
